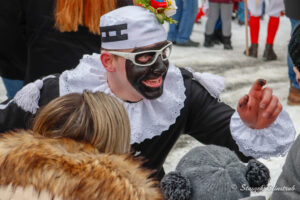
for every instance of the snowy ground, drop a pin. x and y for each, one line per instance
(240, 72)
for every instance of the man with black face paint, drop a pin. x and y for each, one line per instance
(148, 81)
(146, 74)
(162, 101)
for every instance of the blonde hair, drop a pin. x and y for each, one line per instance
(94, 118)
(69, 14)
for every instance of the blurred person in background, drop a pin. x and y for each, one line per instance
(55, 34)
(275, 9)
(241, 12)
(289, 176)
(217, 8)
(185, 16)
(13, 47)
(292, 12)
(202, 11)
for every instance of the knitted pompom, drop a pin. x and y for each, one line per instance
(176, 187)
(257, 174)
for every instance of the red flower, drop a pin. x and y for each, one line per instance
(159, 4)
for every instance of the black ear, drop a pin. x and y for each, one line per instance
(176, 187)
(257, 174)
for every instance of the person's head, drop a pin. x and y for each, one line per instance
(135, 53)
(70, 14)
(294, 51)
(94, 118)
(214, 172)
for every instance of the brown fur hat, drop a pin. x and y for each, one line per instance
(66, 169)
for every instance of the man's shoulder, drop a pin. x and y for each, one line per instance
(188, 78)
(204, 81)
(186, 74)
(50, 89)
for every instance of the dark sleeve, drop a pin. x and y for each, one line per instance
(209, 119)
(50, 90)
(12, 39)
(12, 116)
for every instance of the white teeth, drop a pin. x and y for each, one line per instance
(155, 80)
(150, 82)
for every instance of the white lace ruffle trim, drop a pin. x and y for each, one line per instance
(213, 83)
(28, 97)
(264, 143)
(148, 118)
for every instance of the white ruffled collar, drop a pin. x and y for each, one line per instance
(148, 118)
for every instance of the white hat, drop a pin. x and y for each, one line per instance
(130, 27)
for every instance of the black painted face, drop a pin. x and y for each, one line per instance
(149, 80)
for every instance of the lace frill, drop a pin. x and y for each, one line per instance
(264, 143)
(213, 83)
(148, 118)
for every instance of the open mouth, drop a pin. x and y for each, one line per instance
(153, 83)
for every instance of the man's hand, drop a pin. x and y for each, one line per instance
(260, 107)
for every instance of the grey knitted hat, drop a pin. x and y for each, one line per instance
(213, 173)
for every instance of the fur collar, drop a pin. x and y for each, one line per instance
(71, 170)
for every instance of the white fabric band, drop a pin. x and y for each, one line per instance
(142, 28)
(264, 143)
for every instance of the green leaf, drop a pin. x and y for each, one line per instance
(160, 9)
(159, 12)
(160, 18)
(152, 9)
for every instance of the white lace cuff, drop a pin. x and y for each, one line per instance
(264, 143)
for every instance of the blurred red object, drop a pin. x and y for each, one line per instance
(159, 4)
(199, 14)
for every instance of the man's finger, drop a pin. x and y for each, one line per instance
(266, 98)
(277, 111)
(268, 112)
(243, 101)
(258, 85)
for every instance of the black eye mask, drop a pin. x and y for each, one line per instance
(149, 80)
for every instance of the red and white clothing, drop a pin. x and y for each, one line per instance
(274, 8)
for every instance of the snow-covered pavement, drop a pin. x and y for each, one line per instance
(240, 72)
